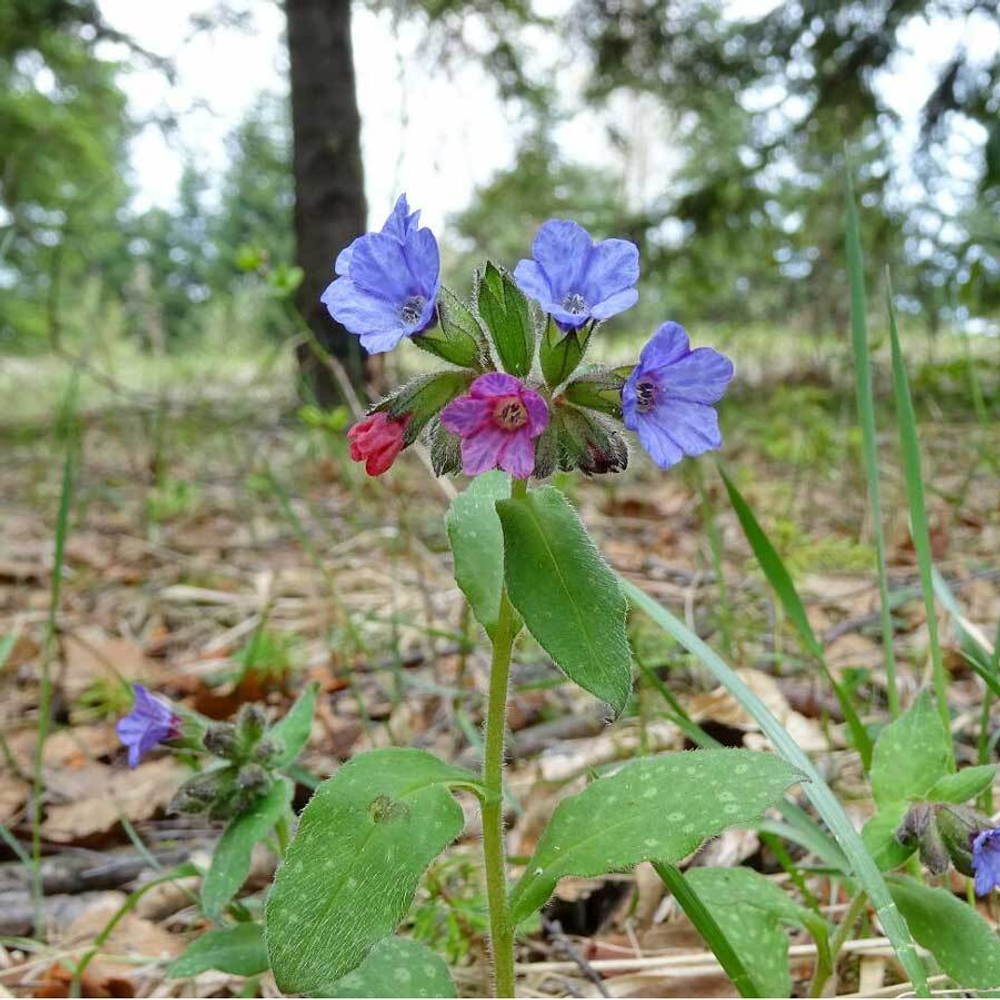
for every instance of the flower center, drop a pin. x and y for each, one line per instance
(412, 310)
(645, 396)
(575, 304)
(510, 414)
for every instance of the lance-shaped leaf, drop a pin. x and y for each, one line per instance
(964, 785)
(911, 754)
(653, 809)
(293, 730)
(477, 544)
(231, 857)
(566, 593)
(351, 870)
(965, 946)
(506, 313)
(237, 950)
(397, 967)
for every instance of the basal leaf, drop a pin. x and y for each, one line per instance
(476, 538)
(964, 944)
(653, 809)
(231, 858)
(964, 785)
(351, 870)
(566, 593)
(237, 950)
(293, 730)
(879, 836)
(397, 967)
(911, 754)
(751, 910)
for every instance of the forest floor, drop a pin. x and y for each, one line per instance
(204, 514)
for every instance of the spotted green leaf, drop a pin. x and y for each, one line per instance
(477, 544)
(397, 967)
(964, 944)
(351, 871)
(237, 950)
(293, 730)
(231, 857)
(653, 809)
(566, 593)
(911, 754)
(964, 785)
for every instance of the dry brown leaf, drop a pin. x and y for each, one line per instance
(91, 655)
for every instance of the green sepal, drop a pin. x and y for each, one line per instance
(599, 388)
(588, 441)
(561, 351)
(507, 315)
(423, 397)
(457, 338)
(446, 450)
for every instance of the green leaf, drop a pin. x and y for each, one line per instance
(350, 872)
(566, 593)
(780, 579)
(231, 857)
(237, 950)
(561, 352)
(397, 967)
(423, 398)
(964, 944)
(879, 836)
(964, 785)
(505, 311)
(653, 809)
(911, 754)
(293, 730)
(599, 388)
(866, 416)
(751, 910)
(476, 538)
(457, 338)
(816, 789)
(919, 531)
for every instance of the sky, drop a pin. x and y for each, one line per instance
(437, 135)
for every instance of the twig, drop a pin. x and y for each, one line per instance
(562, 943)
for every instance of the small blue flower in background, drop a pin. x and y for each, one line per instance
(576, 280)
(668, 398)
(986, 861)
(150, 722)
(387, 282)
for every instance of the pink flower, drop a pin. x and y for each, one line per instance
(377, 441)
(498, 422)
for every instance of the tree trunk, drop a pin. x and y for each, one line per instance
(330, 208)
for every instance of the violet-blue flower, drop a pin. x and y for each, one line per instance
(387, 282)
(986, 861)
(667, 400)
(576, 280)
(150, 722)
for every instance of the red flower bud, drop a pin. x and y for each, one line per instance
(377, 440)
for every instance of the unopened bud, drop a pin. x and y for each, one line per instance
(220, 739)
(959, 826)
(251, 721)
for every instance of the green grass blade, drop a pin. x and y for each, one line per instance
(866, 416)
(817, 790)
(781, 580)
(919, 531)
(707, 926)
(725, 616)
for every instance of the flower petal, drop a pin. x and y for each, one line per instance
(615, 304)
(530, 278)
(701, 376)
(343, 263)
(693, 426)
(380, 266)
(667, 345)
(495, 384)
(359, 310)
(424, 262)
(563, 247)
(481, 450)
(613, 267)
(385, 340)
(518, 454)
(465, 415)
(399, 220)
(660, 447)
(538, 411)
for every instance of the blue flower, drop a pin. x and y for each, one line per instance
(576, 280)
(387, 283)
(668, 398)
(986, 861)
(150, 722)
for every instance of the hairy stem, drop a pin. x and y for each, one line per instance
(501, 931)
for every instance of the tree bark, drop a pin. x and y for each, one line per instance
(330, 208)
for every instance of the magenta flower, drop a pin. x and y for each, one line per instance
(150, 722)
(498, 422)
